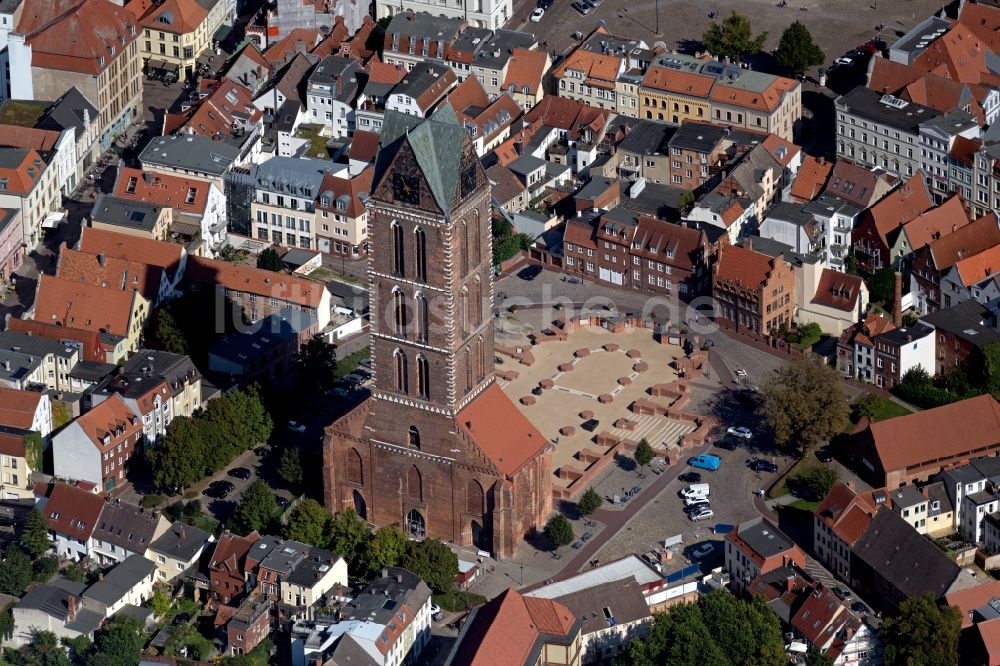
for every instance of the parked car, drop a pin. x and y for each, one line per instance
(582, 7)
(860, 607)
(842, 593)
(240, 473)
(706, 461)
(696, 490)
(261, 451)
(341, 392)
(545, 4)
(295, 426)
(280, 501)
(697, 507)
(530, 272)
(537, 15)
(703, 551)
(761, 465)
(824, 455)
(847, 62)
(695, 499)
(437, 617)
(690, 477)
(704, 514)
(742, 432)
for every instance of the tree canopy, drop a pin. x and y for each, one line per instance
(348, 535)
(16, 572)
(385, 548)
(43, 649)
(805, 403)
(733, 38)
(270, 260)
(433, 561)
(589, 502)
(922, 632)
(815, 481)
(290, 466)
(316, 364)
(719, 630)
(686, 202)
(309, 523)
(797, 51)
(35, 535)
(643, 453)
(120, 641)
(558, 531)
(256, 508)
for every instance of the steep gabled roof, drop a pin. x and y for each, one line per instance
(73, 511)
(83, 36)
(84, 306)
(900, 206)
(499, 429)
(965, 242)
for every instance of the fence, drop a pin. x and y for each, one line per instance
(683, 573)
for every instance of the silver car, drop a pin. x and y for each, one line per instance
(704, 514)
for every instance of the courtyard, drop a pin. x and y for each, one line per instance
(579, 392)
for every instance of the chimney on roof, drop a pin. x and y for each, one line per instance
(181, 534)
(71, 606)
(897, 300)
(385, 572)
(748, 242)
(790, 583)
(399, 578)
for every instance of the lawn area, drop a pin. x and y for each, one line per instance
(349, 364)
(22, 112)
(317, 143)
(458, 600)
(322, 274)
(888, 409)
(781, 487)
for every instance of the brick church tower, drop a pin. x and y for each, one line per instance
(438, 448)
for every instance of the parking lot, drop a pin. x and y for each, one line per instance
(836, 25)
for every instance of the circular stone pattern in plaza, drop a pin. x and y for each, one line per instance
(598, 372)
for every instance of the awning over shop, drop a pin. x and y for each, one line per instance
(52, 220)
(221, 34)
(154, 65)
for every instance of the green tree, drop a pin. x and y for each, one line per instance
(643, 454)
(270, 260)
(256, 508)
(35, 535)
(309, 522)
(348, 535)
(178, 459)
(385, 549)
(686, 202)
(868, 407)
(192, 510)
(733, 38)
(752, 631)
(815, 481)
(44, 567)
(815, 657)
(165, 333)
(34, 450)
(316, 364)
(6, 625)
(290, 466)
(804, 403)
(16, 572)
(922, 633)
(679, 637)
(75, 572)
(797, 51)
(881, 287)
(558, 531)
(433, 561)
(160, 603)
(44, 649)
(119, 642)
(589, 502)
(984, 368)
(79, 648)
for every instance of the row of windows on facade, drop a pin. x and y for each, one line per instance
(475, 371)
(470, 312)
(469, 251)
(475, 496)
(188, 50)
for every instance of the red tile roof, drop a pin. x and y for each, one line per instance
(989, 634)
(838, 290)
(499, 429)
(811, 178)
(508, 629)
(83, 306)
(846, 512)
(11, 445)
(854, 183)
(673, 80)
(567, 114)
(526, 69)
(984, 21)
(230, 552)
(352, 188)
(73, 511)
(298, 40)
(227, 106)
(364, 146)
(965, 242)
(174, 16)
(88, 340)
(23, 178)
(28, 137)
(251, 280)
(76, 35)
(941, 432)
(113, 420)
(936, 223)
(18, 408)
(109, 272)
(599, 69)
(782, 151)
(124, 246)
(187, 195)
(900, 206)
(979, 266)
(958, 54)
(971, 598)
(740, 265)
(767, 100)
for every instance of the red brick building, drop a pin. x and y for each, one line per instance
(438, 447)
(639, 252)
(876, 232)
(753, 290)
(933, 260)
(959, 332)
(228, 563)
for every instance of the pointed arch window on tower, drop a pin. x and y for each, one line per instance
(480, 360)
(399, 314)
(468, 369)
(423, 378)
(399, 371)
(422, 317)
(463, 312)
(413, 437)
(477, 302)
(476, 238)
(462, 255)
(398, 250)
(420, 243)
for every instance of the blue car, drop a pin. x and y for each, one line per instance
(705, 461)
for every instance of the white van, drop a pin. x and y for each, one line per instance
(695, 490)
